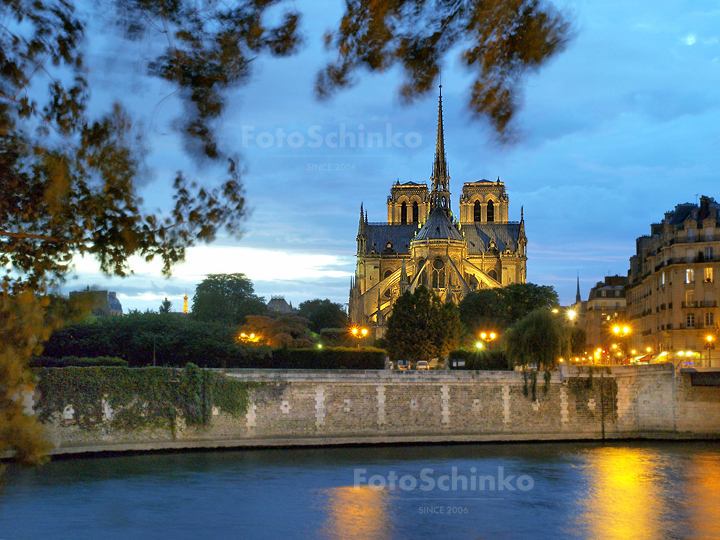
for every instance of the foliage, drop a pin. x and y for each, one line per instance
(323, 314)
(538, 339)
(226, 298)
(175, 341)
(578, 338)
(286, 331)
(497, 309)
(422, 327)
(500, 41)
(338, 337)
(165, 306)
(74, 361)
(139, 398)
(26, 320)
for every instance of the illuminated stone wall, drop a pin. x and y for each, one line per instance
(340, 407)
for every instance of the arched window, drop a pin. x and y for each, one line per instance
(387, 274)
(438, 274)
(478, 211)
(415, 212)
(403, 213)
(490, 212)
(493, 274)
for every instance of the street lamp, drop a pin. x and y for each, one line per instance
(571, 314)
(709, 345)
(621, 332)
(359, 333)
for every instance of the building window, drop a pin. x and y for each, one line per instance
(689, 275)
(709, 319)
(493, 274)
(689, 298)
(708, 254)
(490, 212)
(662, 279)
(387, 274)
(690, 320)
(708, 275)
(477, 211)
(403, 213)
(415, 212)
(691, 235)
(438, 279)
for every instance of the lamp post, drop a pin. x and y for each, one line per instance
(486, 338)
(359, 333)
(709, 345)
(621, 332)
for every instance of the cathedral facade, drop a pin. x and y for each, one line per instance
(424, 243)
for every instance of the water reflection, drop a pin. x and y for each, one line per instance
(703, 502)
(357, 512)
(625, 495)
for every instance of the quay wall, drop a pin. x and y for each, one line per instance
(308, 407)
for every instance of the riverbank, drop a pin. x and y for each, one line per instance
(294, 408)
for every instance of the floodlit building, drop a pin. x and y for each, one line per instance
(672, 292)
(424, 243)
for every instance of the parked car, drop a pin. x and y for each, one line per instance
(422, 364)
(402, 366)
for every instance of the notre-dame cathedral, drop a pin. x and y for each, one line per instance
(423, 243)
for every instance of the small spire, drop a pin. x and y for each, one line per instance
(361, 226)
(578, 299)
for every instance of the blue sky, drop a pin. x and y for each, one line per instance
(614, 131)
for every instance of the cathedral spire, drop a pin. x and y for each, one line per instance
(578, 299)
(440, 195)
(361, 226)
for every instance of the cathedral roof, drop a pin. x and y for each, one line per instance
(479, 235)
(399, 236)
(438, 227)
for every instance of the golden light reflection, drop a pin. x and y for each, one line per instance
(624, 496)
(357, 512)
(703, 502)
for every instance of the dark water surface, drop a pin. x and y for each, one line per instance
(527, 491)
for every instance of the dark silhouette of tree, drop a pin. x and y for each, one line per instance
(500, 308)
(165, 306)
(540, 339)
(421, 327)
(323, 314)
(226, 298)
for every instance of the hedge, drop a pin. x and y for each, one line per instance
(74, 361)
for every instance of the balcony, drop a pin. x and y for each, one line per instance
(690, 304)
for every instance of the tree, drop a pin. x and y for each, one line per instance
(501, 40)
(498, 309)
(226, 298)
(539, 338)
(421, 326)
(165, 306)
(286, 331)
(323, 314)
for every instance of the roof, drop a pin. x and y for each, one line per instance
(438, 227)
(479, 235)
(400, 236)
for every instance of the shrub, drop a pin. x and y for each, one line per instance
(74, 361)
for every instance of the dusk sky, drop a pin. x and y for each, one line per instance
(614, 131)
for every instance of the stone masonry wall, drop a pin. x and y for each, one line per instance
(341, 407)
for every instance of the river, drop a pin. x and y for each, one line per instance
(494, 491)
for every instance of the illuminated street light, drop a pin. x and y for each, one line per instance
(359, 333)
(571, 314)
